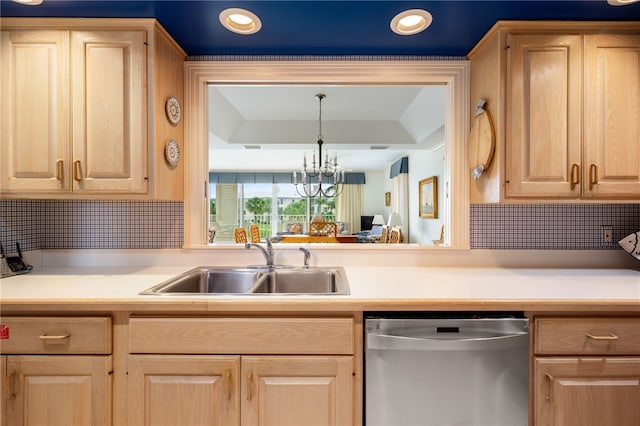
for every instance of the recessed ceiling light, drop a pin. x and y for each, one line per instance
(240, 21)
(621, 2)
(411, 22)
(29, 2)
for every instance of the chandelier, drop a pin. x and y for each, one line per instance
(324, 178)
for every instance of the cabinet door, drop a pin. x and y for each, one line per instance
(191, 390)
(3, 388)
(35, 111)
(297, 391)
(587, 391)
(58, 390)
(612, 116)
(109, 111)
(543, 116)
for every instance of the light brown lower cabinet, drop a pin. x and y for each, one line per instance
(267, 371)
(586, 371)
(57, 371)
(57, 390)
(221, 390)
(3, 374)
(297, 390)
(589, 391)
(184, 390)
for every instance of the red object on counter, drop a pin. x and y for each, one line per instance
(4, 331)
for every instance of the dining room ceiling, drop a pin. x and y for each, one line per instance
(368, 127)
(328, 27)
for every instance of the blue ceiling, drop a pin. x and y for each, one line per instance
(329, 27)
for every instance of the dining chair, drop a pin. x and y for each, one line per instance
(395, 236)
(441, 240)
(241, 235)
(254, 232)
(323, 229)
(384, 235)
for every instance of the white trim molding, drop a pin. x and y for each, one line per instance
(454, 74)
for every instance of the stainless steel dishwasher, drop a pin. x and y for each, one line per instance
(446, 370)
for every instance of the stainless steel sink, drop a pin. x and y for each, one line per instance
(303, 281)
(208, 280)
(253, 281)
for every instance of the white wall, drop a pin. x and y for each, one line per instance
(373, 193)
(424, 164)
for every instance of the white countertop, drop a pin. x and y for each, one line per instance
(367, 284)
(494, 283)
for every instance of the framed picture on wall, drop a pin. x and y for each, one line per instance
(428, 198)
(387, 199)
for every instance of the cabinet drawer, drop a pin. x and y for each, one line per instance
(587, 336)
(242, 335)
(56, 335)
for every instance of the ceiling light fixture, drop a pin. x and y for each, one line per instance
(621, 2)
(240, 21)
(329, 172)
(411, 22)
(29, 2)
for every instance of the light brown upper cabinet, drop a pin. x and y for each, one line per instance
(75, 116)
(611, 138)
(36, 117)
(74, 111)
(566, 104)
(544, 96)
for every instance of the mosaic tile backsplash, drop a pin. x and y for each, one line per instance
(46, 224)
(551, 226)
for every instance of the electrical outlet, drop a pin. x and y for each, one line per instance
(607, 235)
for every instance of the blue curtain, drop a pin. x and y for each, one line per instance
(350, 178)
(400, 166)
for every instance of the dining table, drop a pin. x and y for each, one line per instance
(306, 238)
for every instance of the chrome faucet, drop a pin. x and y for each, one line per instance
(307, 255)
(267, 253)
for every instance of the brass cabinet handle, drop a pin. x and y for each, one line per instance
(77, 170)
(12, 385)
(55, 337)
(549, 379)
(60, 170)
(610, 336)
(593, 175)
(249, 386)
(228, 384)
(575, 175)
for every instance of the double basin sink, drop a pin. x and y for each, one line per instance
(206, 280)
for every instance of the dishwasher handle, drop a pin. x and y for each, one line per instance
(376, 341)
